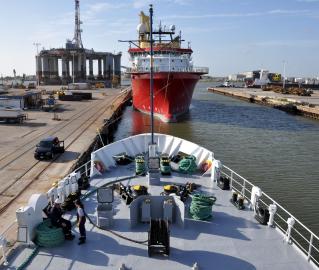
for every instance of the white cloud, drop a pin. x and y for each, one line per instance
(288, 43)
(288, 12)
(308, 1)
(89, 16)
(140, 3)
(248, 14)
(145, 3)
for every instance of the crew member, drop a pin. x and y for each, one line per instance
(81, 221)
(58, 221)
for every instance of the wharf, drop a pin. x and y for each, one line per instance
(21, 175)
(299, 105)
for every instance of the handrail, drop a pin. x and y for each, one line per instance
(168, 68)
(85, 168)
(243, 185)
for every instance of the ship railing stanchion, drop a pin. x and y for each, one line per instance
(291, 223)
(86, 169)
(231, 179)
(310, 247)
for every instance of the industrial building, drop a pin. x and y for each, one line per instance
(74, 63)
(21, 100)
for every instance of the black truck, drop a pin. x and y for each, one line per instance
(48, 148)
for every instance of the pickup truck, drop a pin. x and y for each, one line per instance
(48, 148)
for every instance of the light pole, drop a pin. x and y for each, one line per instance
(284, 79)
(73, 53)
(37, 44)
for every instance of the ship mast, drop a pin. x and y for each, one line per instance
(151, 74)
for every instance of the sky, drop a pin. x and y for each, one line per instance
(228, 36)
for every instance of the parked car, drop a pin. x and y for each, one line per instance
(48, 148)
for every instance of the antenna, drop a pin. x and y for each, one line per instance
(151, 75)
(37, 44)
(77, 40)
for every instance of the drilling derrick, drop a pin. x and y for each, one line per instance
(76, 62)
(77, 40)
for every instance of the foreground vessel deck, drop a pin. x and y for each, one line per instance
(233, 239)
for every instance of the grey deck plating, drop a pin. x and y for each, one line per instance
(233, 239)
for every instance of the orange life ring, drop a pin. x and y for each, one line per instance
(206, 165)
(99, 166)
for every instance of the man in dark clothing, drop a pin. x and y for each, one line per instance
(57, 220)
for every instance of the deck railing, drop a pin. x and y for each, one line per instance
(10, 233)
(301, 236)
(168, 68)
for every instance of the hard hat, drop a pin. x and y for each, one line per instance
(58, 200)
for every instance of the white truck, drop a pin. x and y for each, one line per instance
(12, 115)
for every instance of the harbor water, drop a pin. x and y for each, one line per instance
(274, 150)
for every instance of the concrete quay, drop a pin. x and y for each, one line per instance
(299, 105)
(21, 175)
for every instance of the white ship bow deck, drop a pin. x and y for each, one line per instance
(232, 239)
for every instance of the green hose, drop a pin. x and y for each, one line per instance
(48, 235)
(201, 206)
(188, 164)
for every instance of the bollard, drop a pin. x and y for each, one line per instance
(255, 195)
(290, 222)
(272, 211)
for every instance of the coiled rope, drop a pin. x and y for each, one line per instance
(165, 166)
(48, 235)
(188, 164)
(201, 206)
(140, 168)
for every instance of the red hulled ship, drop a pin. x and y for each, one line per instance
(174, 75)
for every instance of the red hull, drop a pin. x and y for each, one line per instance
(172, 93)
